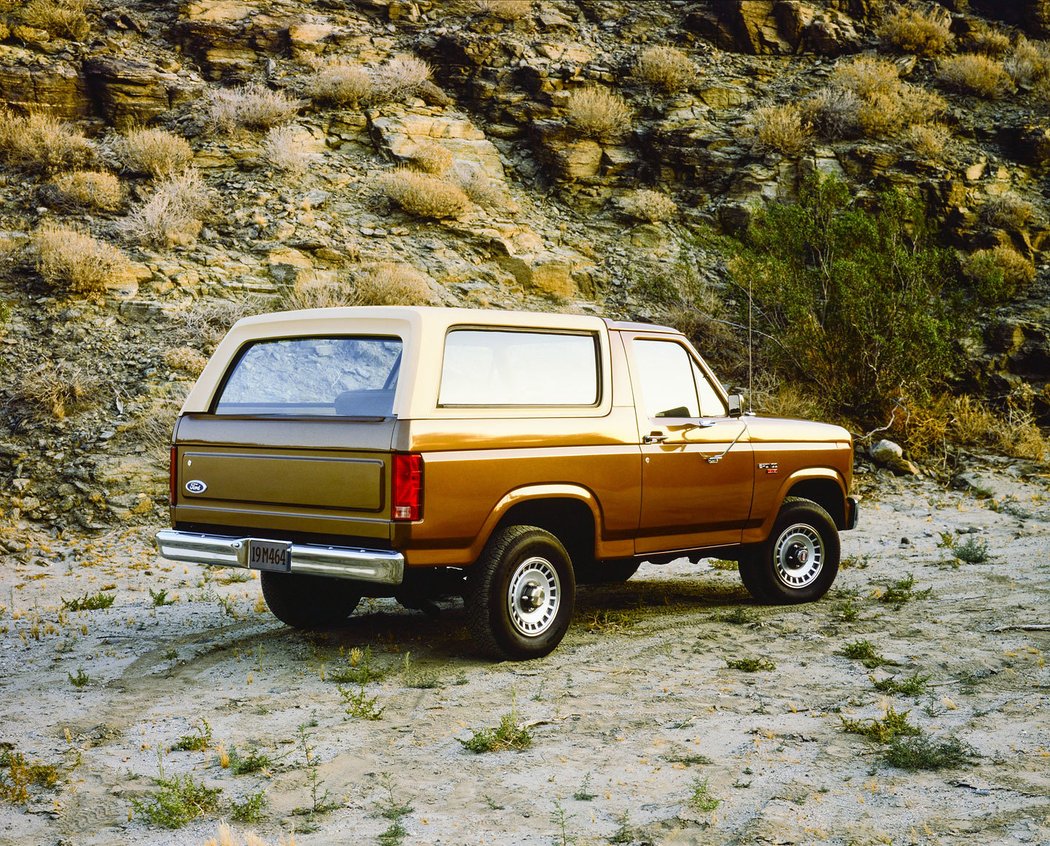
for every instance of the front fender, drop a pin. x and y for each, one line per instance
(823, 485)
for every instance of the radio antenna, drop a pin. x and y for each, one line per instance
(750, 347)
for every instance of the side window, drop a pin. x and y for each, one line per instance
(665, 371)
(486, 367)
(711, 404)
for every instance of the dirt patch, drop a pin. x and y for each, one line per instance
(676, 710)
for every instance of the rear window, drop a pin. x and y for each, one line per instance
(512, 368)
(314, 377)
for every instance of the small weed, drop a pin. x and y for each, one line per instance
(507, 735)
(739, 616)
(971, 551)
(89, 602)
(750, 665)
(196, 741)
(583, 792)
(81, 679)
(901, 591)
(724, 564)
(320, 800)
(947, 540)
(418, 677)
(177, 801)
(923, 752)
(359, 704)
(701, 799)
(18, 774)
(251, 809)
(688, 760)
(561, 819)
(623, 834)
(253, 762)
(847, 611)
(394, 811)
(359, 669)
(863, 651)
(605, 621)
(891, 726)
(160, 598)
(859, 562)
(914, 685)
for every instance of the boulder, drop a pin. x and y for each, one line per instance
(228, 37)
(400, 132)
(129, 93)
(58, 87)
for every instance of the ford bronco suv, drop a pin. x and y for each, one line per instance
(502, 456)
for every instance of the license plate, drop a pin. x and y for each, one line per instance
(275, 556)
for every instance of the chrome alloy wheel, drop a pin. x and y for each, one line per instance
(798, 556)
(534, 596)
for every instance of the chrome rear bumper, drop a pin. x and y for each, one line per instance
(340, 562)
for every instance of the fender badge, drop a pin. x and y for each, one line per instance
(196, 486)
(771, 467)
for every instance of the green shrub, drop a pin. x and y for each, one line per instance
(827, 276)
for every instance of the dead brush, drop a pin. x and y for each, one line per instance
(39, 142)
(173, 214)
(284, 148)
(974, 73)
(431, 158)
(925, 33)
(251, 106)
(60, 18)
(666, 68)
(885, 104)
(392, 283)
(1008, 211)
(423, 194)
(399, 77)
(598, 113)
(152, 151)
(74, 261)
(56, 390)
(505, 10)
(341, 82)
(929, 141)
(648, 205)
(1029, 66)
(87, 189)
(782, 129)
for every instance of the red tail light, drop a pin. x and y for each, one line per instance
(407, 498)
(173, 475)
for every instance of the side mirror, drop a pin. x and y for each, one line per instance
(736, 405)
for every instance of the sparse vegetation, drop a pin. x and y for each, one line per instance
(1008, 211)
(177, 801)
(399, 77)
(700, 799)
(922, 752)
(359, 704)
(393, 810)
(974, 73)
(649, 205)
(39, 142)
(55, 390)
(423, 194)
(253, 761)
(666, 68)
(782, 129)
(79, 679)
(865, 652)
(360, 668)
(252, 106)
(320, 800)
(284, 148)
(891, 726)
(19, 773)
(173, 214)
(598, 113)
(196, 741)
(75, 262)
(432, 158)
(505, 10)
(1029, 66)
(869, 98)
(750, 665)
(928, 140)
(60, 18)
(913, 685)
(89, 602)
(507, 735)
(185, 360)
(154, 152)
(341, 82)
(250, 809)
(973, 550)
(901, 591)
(925, 33)
(88, 189)
(997, 273)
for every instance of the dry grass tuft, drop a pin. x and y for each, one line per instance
(61, 18)
(424, 195)
(399, 77)
(783, 129)
(341, 83)
(39, 142)
(431, 158)
(484, 190)
(382, 283)
(283, 148)
(185, 360)
(646, 204)
(974, 73)
(928, 140)
(665, 67)
(915, 31)
(599, 113)
(173, 215)
(72, 260)
(505, 10)
(153, 151)
(1008, 211)
(987, 40)
(89, 189)
(832, 112)
(1029, 66)
(869, 97)
(253, 106)
(866, 77)
(55, 390)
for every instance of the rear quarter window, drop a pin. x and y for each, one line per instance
(483, 367)
(313, 377)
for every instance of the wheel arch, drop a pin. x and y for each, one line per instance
(820, 485)
(568, 512)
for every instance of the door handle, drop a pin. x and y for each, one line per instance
(655, 437)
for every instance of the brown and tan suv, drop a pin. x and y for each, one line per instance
(504, 456)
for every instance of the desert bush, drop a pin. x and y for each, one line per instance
(915, 31)
(173, 214)
(998, 273)
(783, 129)
(315, 290)
(205, 322)
(185, 360)
(1007, 211)
(665, 67)
(866, 76)
(1029, 66)
(341, 83)
(399, 77)
(974, 73)
(153, 151)
(826, 275)
(645, 204)
(253, 106)
(505, 10)
(987, 40)
(886, 114)
(61, 18)
(424, 195)
(55, 390)
(431, 158)
(832, 112)
(73, 261)
(392, 283)
(283, 148)
(928, 140)
(599, 113)
(885, 104)
(484, 190)
(89, 189)
(39, 142)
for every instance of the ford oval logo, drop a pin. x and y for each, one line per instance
(196, 486)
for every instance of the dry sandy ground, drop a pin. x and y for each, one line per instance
(630, 718)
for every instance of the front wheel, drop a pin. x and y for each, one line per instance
(799, 560)
(309, 602)
(520, 593)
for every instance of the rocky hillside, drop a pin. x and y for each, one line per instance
(168, 167)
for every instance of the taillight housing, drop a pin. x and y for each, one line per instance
(406, 501)
(173, 475)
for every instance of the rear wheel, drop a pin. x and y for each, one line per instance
(520, 593)
(799, 560)
(309, 602)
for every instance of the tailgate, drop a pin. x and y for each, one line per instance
(246, 473)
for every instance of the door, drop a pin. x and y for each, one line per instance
(697, 467)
